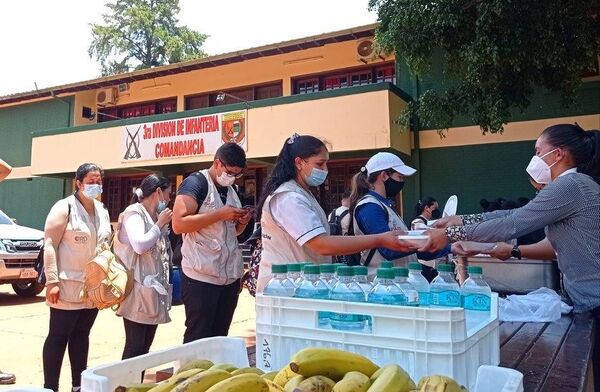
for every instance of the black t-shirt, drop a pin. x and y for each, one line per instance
(196, 185)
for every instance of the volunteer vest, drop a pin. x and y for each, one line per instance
(278, 246)
(78, 246)
(394, 222)
(212, 255)
(150, 299)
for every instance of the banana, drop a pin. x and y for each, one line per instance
(241, 383)
(330, 362)
(247, 370)
(224, 366)
(175, 380)
(293, 383)
(353, 382)
(315, 384)
(270, 375)
(196, 364)
(437, 383)
(202, 381)
(284, 375)
(273, 387)
(135, 387)
(391, 378)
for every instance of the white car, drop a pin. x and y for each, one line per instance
(19, 250)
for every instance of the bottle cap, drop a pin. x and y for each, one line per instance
(327, 268)
(415, 266)
(475, 269)
(400, 271)
(360, 270)
(445, 268)
(295, 267)
(311, 269)
(385, 273)
(279, 268)
(345, 271)
(386, 264)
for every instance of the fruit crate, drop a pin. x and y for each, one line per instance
(424, 341)
(106, 378)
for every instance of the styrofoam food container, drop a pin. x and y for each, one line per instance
(416, 240)
(481, 247)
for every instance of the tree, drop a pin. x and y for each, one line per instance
(494, 53)
(140, 34)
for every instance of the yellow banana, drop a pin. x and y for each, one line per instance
(241, 383)
(224, 366)
(284, 375)
(330, 362)
(315, 384)
(135, 387)
(196, 364)
(202, 381)
(293, 383)
(391, 378)
(247, 370)
(437, 383)
(270, 375)
(175, 380)
(353, 382)
(273, 387)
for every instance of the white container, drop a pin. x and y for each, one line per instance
(106, 378)
(424, 341)
(498, 379)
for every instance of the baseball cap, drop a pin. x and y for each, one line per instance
(387, 160)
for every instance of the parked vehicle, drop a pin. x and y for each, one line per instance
(19, 250)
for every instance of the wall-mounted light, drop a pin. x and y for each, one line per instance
(222, 94)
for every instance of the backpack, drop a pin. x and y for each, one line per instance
(335, 222)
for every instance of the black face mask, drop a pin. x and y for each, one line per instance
(392, 187)
(436, 214)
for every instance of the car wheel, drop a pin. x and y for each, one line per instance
(28, 289)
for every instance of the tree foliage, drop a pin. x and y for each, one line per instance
(139, 34)
(494, 53)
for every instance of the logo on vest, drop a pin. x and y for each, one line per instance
(81, 239)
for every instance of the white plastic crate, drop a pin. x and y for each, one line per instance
(106, 378)
(498, 379)
(28, 389)
(423, 341)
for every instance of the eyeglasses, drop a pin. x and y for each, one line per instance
(232, 174)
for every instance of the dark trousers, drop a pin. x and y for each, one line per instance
(138, 338)
(209, 308)
(67, 328)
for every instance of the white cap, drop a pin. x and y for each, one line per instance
(387, 160)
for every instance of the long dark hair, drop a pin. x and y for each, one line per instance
(85, 168)
(302, 146)
(148, 186)
(422, 204)
(584, 146)
(360, 185)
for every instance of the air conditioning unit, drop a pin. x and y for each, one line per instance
(106, 96)
(366, 50)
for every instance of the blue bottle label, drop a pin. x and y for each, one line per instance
(346, 317)
(446, 298)
(424, 298)
(476, 302)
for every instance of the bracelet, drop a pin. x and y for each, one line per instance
(471, 219)
(456, 233)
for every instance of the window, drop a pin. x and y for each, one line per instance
(386, 74)
(360, 78)
(137, 110)
(335, 82)
(232, 96)
(198, 102)
(306, 86)
(271, 91)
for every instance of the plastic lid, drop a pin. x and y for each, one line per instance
(311, 269)
(475, 269)
(345, 271)
(386, 264)
(327, 268)
(279, 268)
(360, 270)
(385, 273)
(400, 271)
(295, 267)
(415, 266)
(338, 265)
(445, 268)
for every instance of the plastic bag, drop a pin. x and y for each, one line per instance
(541, 305)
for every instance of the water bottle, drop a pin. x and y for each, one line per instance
(401, 280)
(384, 264)
(312, 286)
(361, 274)
(476, 296)
(293, 273)
(347, 290)
(338, 265)
(328, 275)
(385, 291)
(444, 289)
(416, 278)
(279, 285)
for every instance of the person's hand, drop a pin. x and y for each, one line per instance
(501, 251)
(52, 292)
(164, 217)
(246, 218)
(230, 213)
(453, 220)
(438, 240)
(390, 240)
(458, 250)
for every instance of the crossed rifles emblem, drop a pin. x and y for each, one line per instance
(133, 142)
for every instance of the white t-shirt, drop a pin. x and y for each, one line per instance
(134, 233)
(294, 212)
(345, 222)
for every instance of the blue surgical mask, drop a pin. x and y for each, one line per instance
(161, 206)
(316, 177)
(92, 191)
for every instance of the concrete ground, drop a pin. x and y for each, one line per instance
(24, 326)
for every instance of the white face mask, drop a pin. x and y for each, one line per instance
(225, 179)
(540, 170)
(92, 191)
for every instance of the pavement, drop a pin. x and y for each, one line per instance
(24, 327)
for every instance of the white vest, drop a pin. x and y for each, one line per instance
(78, 246)
(394, 222)
(212, 255)
(278, 247)
(145, 304)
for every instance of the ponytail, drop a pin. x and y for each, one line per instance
(422, 204)
(592, 166)
(148, 186)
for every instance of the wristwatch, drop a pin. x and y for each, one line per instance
(515, 252)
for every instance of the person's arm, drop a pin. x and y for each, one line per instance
(140, 240)
(542, 250)
(337, 245)
(54, 229)
(5, 169)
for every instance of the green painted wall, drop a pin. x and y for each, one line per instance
(30, 200)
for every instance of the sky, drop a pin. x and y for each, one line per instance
(45, 42)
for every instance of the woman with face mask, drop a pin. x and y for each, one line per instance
(294, 226)
(425, 210)
(75, 228)
(142, 244)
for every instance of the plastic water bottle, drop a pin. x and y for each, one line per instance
(385, 291)
(445, 291)
(476, 296)
(416, 278)
(312, 286)
(294, 273)
(384, 264)
(328, 274)
(401, 280)
(346, 289)
(279, 285)
(361, 278)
